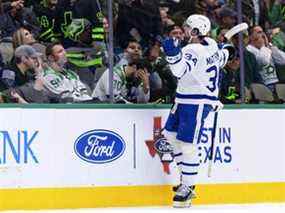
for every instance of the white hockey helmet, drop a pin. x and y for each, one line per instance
(198, 23)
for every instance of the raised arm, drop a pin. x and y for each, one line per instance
(180, 60)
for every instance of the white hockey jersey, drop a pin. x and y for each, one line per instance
(198, 72)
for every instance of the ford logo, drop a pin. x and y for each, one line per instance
(162, 146)
(99, 146)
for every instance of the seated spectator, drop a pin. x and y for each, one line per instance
(84, 55)
(130, 85)
(31, 92)
(230, 87)
(11, 96)
(62, 81)
(250, 63)
(132, 52)
(22, 70)
(24, 36)
(15, 16)
(162, 82)
(267, 56)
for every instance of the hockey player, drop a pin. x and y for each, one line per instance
(197, 67)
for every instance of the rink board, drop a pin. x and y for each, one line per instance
(105, 156)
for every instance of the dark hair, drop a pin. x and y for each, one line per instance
(50, 46)
(169, 28)
(126, 43)
(142, 64)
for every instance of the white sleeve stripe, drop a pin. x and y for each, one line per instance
(174, 59)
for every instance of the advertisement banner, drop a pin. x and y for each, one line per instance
(123, 147)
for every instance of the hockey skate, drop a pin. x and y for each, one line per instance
(183, 196)
(175, 188)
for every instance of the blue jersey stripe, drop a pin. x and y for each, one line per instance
(178, 154)
(189, 173)
(182, 96)
(190, 164)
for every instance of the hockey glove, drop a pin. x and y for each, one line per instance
(231, 49)
(172, 50)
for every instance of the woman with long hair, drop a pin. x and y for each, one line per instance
(24, 36)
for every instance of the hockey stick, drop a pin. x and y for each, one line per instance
(212, 147)
(235, 30)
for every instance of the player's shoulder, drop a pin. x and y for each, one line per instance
(210, 41)
(211, 44)
(191, 49)
(200, 48)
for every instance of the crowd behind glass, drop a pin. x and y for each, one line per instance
(56, 51)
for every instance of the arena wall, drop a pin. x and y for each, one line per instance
(87, 156)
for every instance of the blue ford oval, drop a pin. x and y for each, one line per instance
(162, 146)
(99, 146)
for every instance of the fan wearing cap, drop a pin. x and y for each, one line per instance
(26, 63)
(227, 18)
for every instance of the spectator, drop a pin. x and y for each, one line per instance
(82, 55)
(11, 96)
(23, 36)
(227, 18)
(15, 16)
(162, 82)
(22, 70)
(277, 37)
(31, 92)
(78, 9)
(251, 66)
(139, 19)
(130, 85)
(47, 12)
(230, 87)
(230, 79)
(254, 10)
(132, 52)
(276, 13)
(60, 80)
(267, 56)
